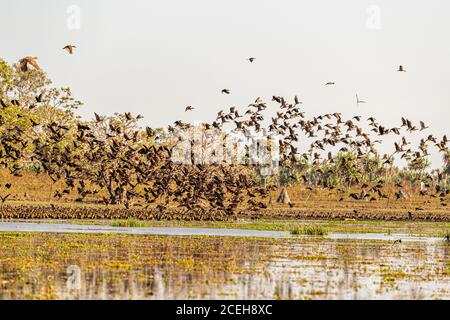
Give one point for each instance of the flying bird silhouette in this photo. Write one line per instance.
(24, 62)
(423, 126)
(69, 48)
(358, 101)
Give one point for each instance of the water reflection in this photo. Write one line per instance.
(53, 266)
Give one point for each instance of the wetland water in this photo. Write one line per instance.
(98, 229)
(71, 265)
(170, 231)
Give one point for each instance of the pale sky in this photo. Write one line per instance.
(157, 57)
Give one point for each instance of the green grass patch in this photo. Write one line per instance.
(309, 230)
(129, 223)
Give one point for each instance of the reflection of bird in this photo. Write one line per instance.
(28, 60)
(189, 108)
(69, 48)
(401, 69)
(358, 101)
(226, 91)
(251, 59)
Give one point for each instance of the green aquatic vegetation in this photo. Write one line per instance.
(118, 265)
(128, 266)
(392, 276)
(309, 230)
(129, 223)
(312, 257)
(276, 295)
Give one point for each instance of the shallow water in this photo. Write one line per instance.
(169, 231)
(382, 237)
(98, 229)
(92, 266)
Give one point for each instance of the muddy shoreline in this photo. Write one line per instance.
(31, 211)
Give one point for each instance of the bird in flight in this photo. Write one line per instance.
(401, 69)
(358, 101)
(69, 48)
(28, 60)
(329, 83)
(226, 91)
(251, 59)
(423, 126)
(189, 108)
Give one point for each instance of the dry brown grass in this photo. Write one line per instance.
(301, 198)
(32, 195)
(30, 187)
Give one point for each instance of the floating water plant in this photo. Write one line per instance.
(129, 223)
(309, 230)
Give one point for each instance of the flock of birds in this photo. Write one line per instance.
(114, 159)
(331, 131)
